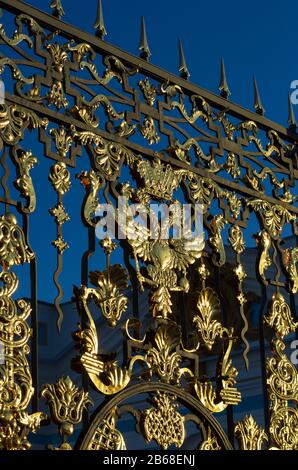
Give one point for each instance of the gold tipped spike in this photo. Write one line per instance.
(223, 85)
(184, 73)
(99, 23)
(144, 46)
(291, 116)
(257, 100)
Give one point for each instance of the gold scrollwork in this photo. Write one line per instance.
(274, 215)
(24, 182)
(290, 259)
(14, 120)
(217, 400)
(16, 388)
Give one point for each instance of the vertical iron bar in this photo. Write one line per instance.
(263, 360)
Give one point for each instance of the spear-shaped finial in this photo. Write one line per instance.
(257, 100)
(184, 73)
(57, 8)
(291, 117)
(99, 23)
(144, 46)
(223, 84)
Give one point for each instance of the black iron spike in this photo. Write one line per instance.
(99, 23)
(291, 116)
(184, 72)
(257, 100)
(57, 8)
(144, 46)
(223, 84)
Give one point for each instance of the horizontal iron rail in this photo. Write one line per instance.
(56, 117)
(69, 31)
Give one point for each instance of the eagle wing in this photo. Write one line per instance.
(186, 251)
(138, 236)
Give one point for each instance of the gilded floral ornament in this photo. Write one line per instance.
(231, 166)
(162, 357)
(148, 131)
(58, 54)
(60, 178)
(216, 241)
(60, 244)
(108, 294)
(66, 403)
(200, 109)
(59, 213)
(236, 239)
(56, 95)
(149, 91)
(280, 318)
(63, 140)
(249, 435)
(208, 327)
(282, 380)
(163, 423)
(13, 246)
(108, 155)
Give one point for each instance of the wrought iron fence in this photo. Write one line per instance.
(188, 309)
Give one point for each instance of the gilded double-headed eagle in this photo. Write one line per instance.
(167, 261)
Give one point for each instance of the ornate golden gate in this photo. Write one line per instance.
(137, 131)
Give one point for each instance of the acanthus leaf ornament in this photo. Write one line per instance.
(249, 435)
(162, 357)
(273, 215)
(66, 403)
(280, 317)
(207, 325)
(109, 287)
(148, 131)
(14, 120)
(148, 90)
